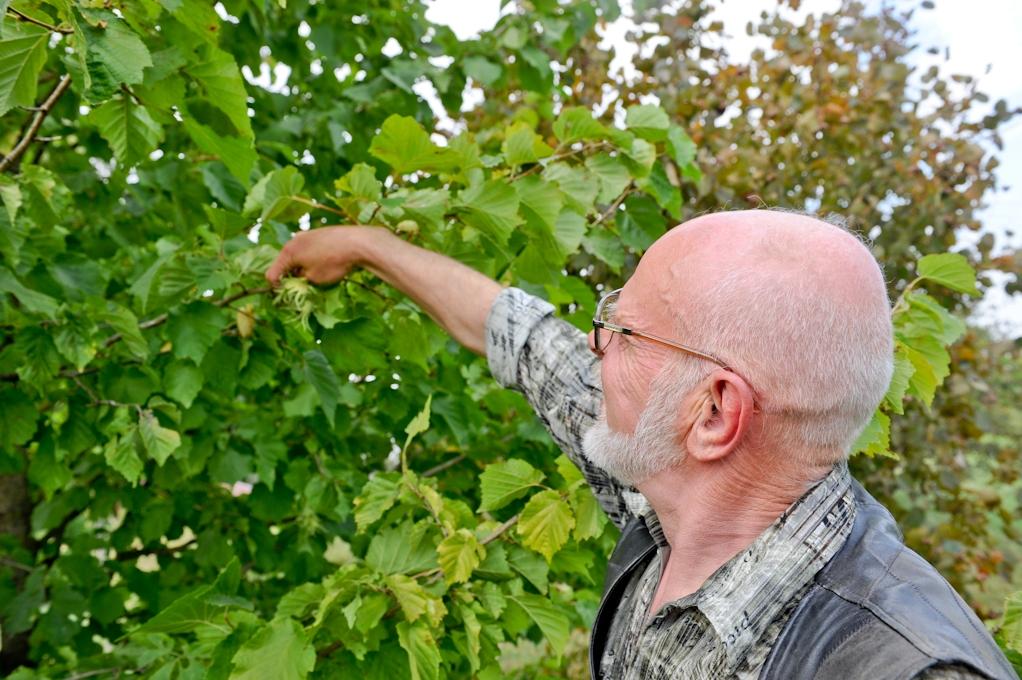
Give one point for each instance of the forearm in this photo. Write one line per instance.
(456, 296)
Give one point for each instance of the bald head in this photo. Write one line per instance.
(795, 305)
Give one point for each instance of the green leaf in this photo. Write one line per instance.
(17, 419)
(522, 145)
(114, 54)
(220, 79)
(159, 441)
(576, 123)
(491, 207)
(545, 523)
(198, 16)
(944, 326)
(589, 518)
(361, 182)
(427, 207)
(501, 483)
(611, 174)
(554, 624)
(378, 496)
(300, 600)
(277, 196)
(10, 194)
(401, 550)
(680, 147)
(667, 196)
(482, 70)
(931, 362)
(237, 153)
(1011, 622)
(194, 329)
(320, 374)
(951, 270)
(280, 650)
(33, 302)
(420, 423)
(875, 440)
(130, 130)
(405, 146)
(459, 554)
(900, 378)
(576, 183)
(648, 121)
(182, 381)
(423, 654)
(22, 55)
(124, 321)
(121, 454)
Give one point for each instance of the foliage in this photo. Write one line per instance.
(212, 482)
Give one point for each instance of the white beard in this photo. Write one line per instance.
(634, 458)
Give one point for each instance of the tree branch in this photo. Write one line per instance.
(162, 318)
(499, 531)
(437, 469)
(37, 122)
(24, 17)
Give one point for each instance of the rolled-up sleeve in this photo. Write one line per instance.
(548, 360)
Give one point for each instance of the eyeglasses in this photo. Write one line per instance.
(604, 330)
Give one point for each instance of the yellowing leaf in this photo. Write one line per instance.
(423, 654)
(875, 440)
(501, 483)
(159, 441)
(459, 554)
(545, 523)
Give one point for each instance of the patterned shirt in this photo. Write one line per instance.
(725, 629)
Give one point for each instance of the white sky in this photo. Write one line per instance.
(982, 38)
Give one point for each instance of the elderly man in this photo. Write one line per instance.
(722, 389)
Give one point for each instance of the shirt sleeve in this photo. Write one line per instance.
(548, 360)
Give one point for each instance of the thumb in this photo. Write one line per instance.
(280, 266)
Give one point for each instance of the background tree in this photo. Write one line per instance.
(200, 480)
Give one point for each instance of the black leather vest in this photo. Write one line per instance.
(876, 611)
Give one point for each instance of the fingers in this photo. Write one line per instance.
(280, 266)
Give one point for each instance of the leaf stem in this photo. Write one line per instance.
(319, 206)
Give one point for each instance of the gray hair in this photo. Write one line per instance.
(819, 369)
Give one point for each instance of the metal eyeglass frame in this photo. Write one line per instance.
(599, 323)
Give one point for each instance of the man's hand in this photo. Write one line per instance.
(325, 255)
(455, 296)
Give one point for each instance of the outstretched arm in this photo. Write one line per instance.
(455, 296)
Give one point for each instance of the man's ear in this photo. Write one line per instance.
(723, 417)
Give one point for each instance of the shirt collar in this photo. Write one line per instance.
(751, 589)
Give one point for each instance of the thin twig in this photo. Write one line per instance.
(616, 204)
(499, 531)
(437, 469)
(320, 206)
(24, 17)
(162, 318)
(37, 122)
(92, 674)
(16, 565)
